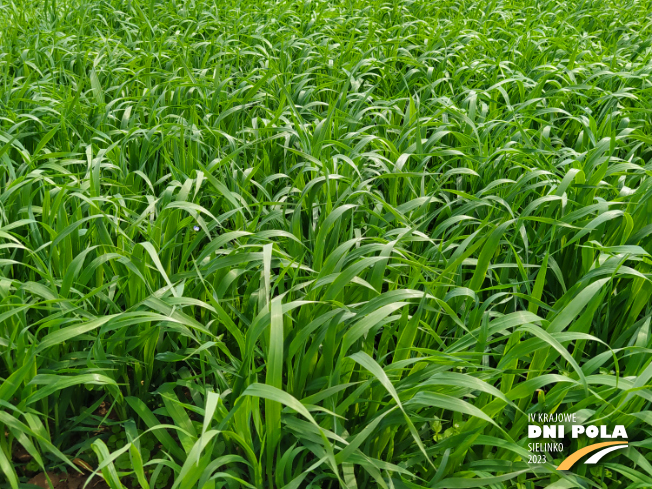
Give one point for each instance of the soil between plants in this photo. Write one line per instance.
(67, 481)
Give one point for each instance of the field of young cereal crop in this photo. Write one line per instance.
(323, 243)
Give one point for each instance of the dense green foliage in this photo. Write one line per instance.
(323, 243)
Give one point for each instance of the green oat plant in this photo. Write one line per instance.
(322, 244)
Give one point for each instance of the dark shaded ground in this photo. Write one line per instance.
(59, 481)
(62, 480)
(67, 481)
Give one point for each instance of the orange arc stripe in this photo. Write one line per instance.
(575, 456)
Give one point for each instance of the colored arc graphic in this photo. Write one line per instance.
(574, 457)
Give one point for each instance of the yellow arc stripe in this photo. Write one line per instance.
(575, 456)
